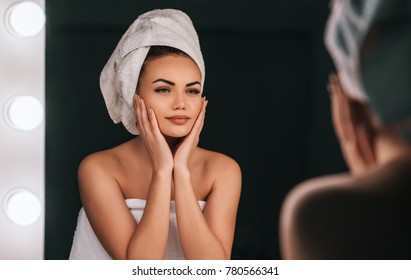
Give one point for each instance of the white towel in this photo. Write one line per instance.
(86, 245)
(374, 69)
(345, 31)
(118, 79)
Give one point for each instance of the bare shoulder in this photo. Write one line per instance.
(99, 162)
(109, 161)
(100, 171)
(322, 184)
(327, 206)
(374, 184)
(221, 164)
(344, 193)
(224, 172)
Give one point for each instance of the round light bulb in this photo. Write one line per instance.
(25, 19)
(22, 207)
(24, 112)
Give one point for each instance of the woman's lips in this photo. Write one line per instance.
(179, 120)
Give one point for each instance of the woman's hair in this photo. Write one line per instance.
(156, 52)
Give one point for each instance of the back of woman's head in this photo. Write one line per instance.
(370, 43)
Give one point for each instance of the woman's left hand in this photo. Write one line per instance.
(185, 148)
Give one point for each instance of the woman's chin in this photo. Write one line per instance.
(174, 133)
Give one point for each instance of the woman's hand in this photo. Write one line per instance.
(184, 150)
(353, 126)
(155, 142)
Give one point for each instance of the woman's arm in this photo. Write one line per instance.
(104, 202)
(208, 235)
(111, 219)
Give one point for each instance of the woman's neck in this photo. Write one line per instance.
(172, 142)
(390, 145)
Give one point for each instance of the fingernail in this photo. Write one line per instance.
(331, 78)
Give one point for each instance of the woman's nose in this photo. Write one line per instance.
(179, 102)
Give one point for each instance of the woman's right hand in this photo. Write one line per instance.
(353, 126)
(156, 144)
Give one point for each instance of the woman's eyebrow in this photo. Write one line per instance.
(164, 81)
(173, 84)
(193, 83)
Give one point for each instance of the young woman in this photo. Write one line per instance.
(159, 195)
(363, 214)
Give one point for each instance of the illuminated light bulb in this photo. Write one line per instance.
(24, 112)
(25, 19)
(22, 207)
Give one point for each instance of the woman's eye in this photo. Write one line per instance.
(161, 90)
(193, 91)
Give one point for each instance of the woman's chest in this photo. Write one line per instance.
(136, 180)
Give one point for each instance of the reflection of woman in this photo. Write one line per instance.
(365, 214)
(158, 195)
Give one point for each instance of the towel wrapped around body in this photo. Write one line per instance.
(86, 245)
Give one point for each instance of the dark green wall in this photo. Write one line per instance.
(266, 73)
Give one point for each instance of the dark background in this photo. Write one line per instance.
(266, 74)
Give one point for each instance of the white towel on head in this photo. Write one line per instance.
(345, 31)
(118, 79)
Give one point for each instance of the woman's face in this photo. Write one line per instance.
(171, 86)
